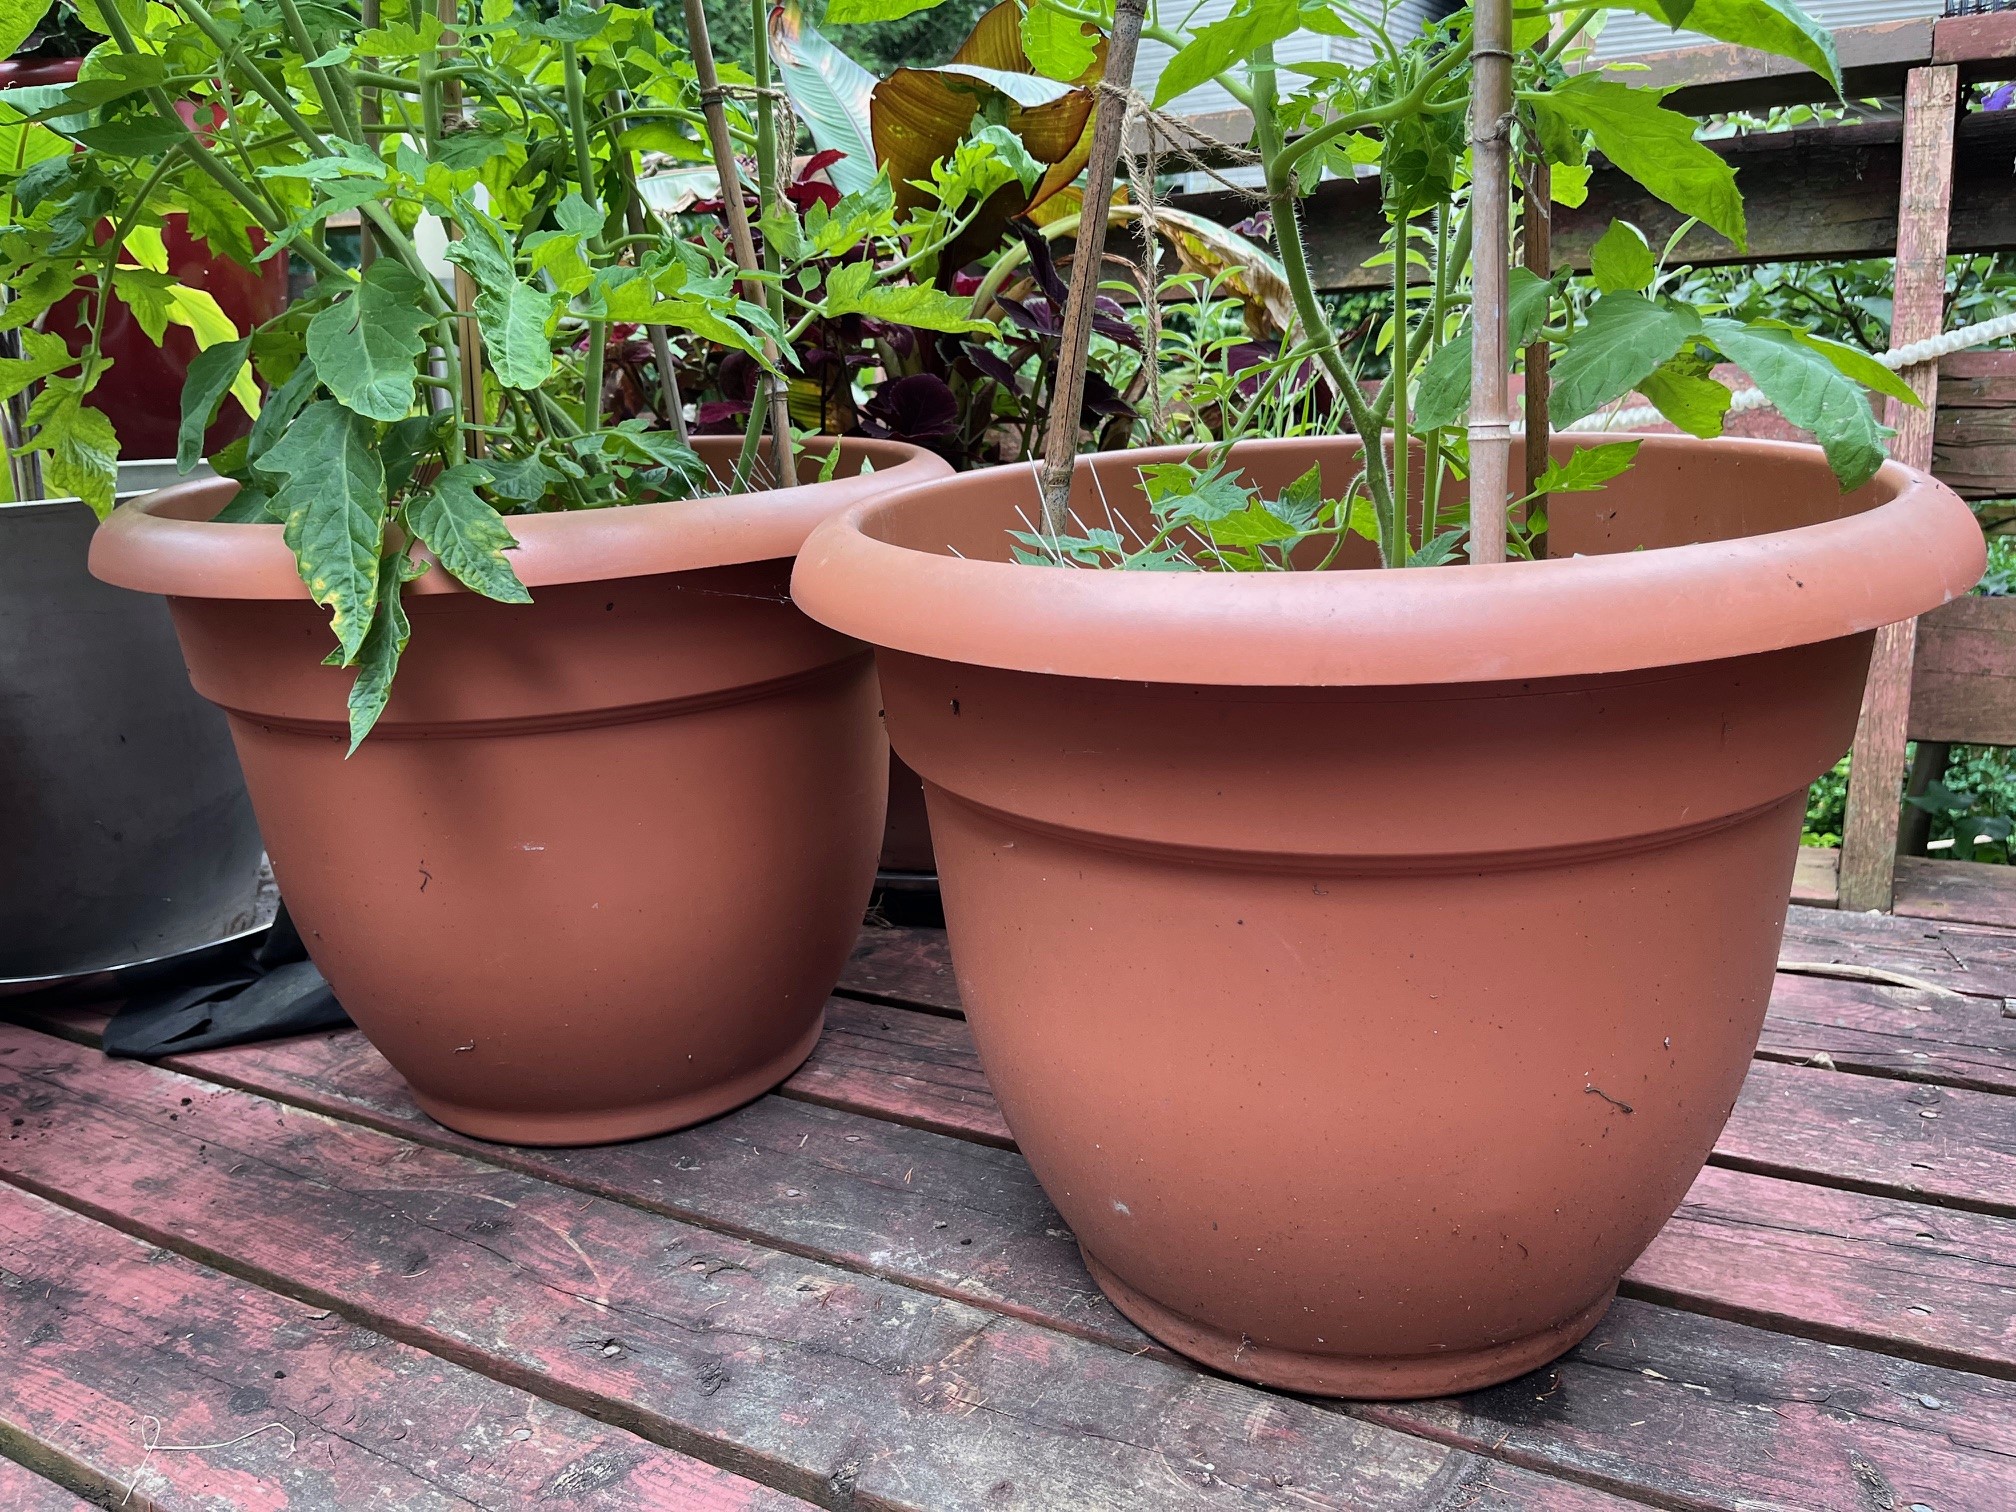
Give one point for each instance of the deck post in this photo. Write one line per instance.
(1876, 775)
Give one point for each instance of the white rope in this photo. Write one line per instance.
(1753, 398)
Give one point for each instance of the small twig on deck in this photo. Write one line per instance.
(150, 1428)
(1850, 973)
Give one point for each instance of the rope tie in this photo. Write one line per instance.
(1165, 137)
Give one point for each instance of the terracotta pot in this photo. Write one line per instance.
(549, 886)
(1366, 961)
(906, 839)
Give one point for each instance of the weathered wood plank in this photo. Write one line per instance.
(1963, 683)
(1933, 1144)
(840, 1386)
(21, 1490)
(915, 1068)
(253, 1401)
(1737, 1417)
(1974, 435)
(1923, 1282)
(1717, 76)
(1962, 892)
(1876, 771)
(907, 966)
(1979, 960)
(1824, 193)
(1816, 877)
(1891, 1031)
(1022, 1261)
(962, 1219)
(1988, 40)
(1925, 887)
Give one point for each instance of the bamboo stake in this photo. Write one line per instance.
(770, 201)
(1538, 229)
(669, 398)
(1060, 444)
(1491, 215)
(739, 234)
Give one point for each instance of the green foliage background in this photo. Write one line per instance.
(928, 37)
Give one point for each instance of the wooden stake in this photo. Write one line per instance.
(744, 242)
(1060, 444)
(1491, 256)
(1918, 311)
(1538, 229)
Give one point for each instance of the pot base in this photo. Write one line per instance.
(1387, 1378)
(616, 1125)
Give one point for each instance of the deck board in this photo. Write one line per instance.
(1879, 1030)
(1923, 1282)
(22, 1490)
(794, 1169)
(821, 1381)
(1695, 1412)
(259, 1403)
(1972, 958)
(1810, 1332)
(1929, 1143)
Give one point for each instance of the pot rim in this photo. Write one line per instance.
(1905, 555)
(167, 543)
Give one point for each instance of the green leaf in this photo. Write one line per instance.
(17, 19)
(830, 93)
(1251, 25)
(251, 505)
(333, 503)
(467, 534)
(1773, 26)
(1058, 45)
(140, 137)
(1654, 145)
(211, 373)
(853, 289)
(1855, 363)
(1587, 468)
(1810, 391)
(1442, 391)
(1568, 184)
(1255, 525)
(367, 347)
(521, 480)
(1188, 494)
(1625, 337)
(1685, 391)
(855, 12)
(42, 354)
(378, 657)
(577, 217)
(280, 410)
(513, 320)
(989, 159)
(1030, 91)
(1621, 259)
(82, 448)
(1440, 551)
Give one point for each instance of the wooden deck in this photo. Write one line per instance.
(260, 1278)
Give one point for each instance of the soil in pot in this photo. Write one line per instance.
(1367, 960)
(596, 870)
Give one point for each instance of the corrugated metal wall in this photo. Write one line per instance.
(1627, 34)
(1404, 18)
